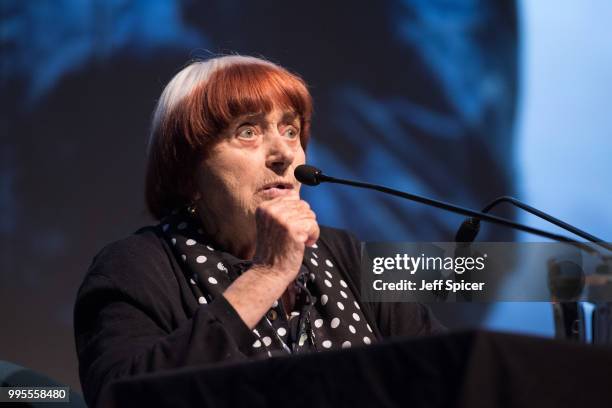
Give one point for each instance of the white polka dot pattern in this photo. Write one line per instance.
(335, 303)
(334, 291)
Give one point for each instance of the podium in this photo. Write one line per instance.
(464, 369)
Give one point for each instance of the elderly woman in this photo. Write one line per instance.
(237, 267)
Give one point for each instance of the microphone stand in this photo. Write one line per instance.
(569, 317)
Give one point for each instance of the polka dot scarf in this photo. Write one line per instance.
(326, 316)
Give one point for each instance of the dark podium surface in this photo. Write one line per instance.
(464, 369)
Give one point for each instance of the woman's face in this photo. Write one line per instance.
(253, 162)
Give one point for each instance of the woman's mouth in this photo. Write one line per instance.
(273, 190)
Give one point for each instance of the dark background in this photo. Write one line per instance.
(433, 97)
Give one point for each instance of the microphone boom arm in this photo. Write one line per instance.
(459, 210)
(549, 218)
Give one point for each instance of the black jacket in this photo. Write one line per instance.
(135, 312)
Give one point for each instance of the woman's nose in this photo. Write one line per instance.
(280, 153)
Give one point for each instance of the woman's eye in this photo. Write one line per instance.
(292, 133)
(247, 132)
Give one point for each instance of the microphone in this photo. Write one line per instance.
(313, 176)
(309, 175)
(468, 230)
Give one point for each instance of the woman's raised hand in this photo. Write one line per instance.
(285, 226)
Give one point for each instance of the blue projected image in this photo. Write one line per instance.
(460, 101)
(563, 131)
(47, 40)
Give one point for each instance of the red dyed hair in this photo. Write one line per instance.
(189, 121)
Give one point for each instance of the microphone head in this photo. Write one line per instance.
(468, 230)
(308, 175)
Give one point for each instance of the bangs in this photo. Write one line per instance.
(246, 89)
